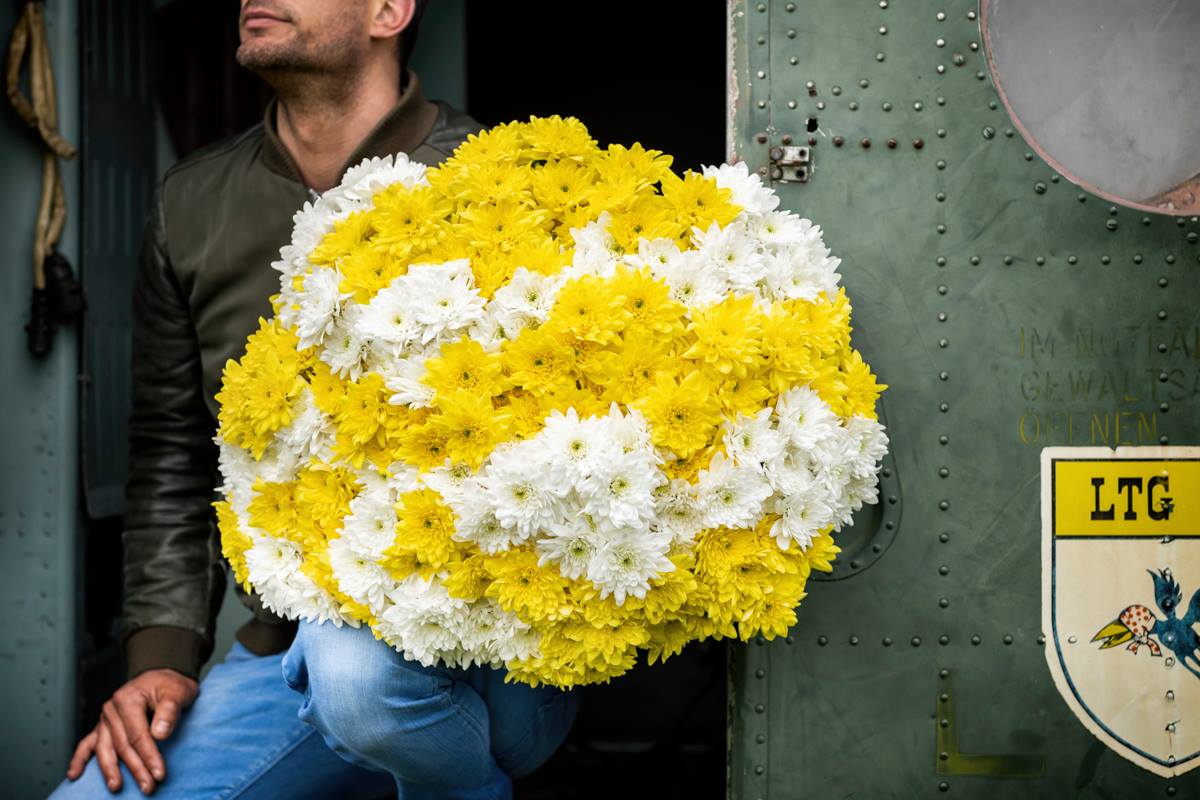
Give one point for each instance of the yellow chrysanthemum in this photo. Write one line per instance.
(464, 366)
(727, 335)
(557, 138)
(519, 585)
(698, 201)
(425, 527)
(257, 391)
(471, 425)
(234, 542)
(683, 415)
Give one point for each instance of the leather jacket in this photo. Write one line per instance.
(204, 277)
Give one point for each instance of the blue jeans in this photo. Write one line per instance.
(242, 739)
(442, 733)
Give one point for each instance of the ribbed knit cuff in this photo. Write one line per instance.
(164, 646)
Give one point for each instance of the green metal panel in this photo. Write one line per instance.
(1008, 310)
(39, 478)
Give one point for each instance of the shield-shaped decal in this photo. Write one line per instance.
(1121, 596)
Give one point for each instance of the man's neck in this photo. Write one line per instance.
(322, 121)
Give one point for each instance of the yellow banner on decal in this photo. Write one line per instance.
(1126, 497)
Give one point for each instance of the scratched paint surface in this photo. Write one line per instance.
(1008, 310)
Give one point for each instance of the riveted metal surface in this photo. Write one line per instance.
(1008, 310)
(39, 469)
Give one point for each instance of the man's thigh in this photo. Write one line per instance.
(242, 739)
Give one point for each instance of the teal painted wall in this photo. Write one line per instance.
(39, 497)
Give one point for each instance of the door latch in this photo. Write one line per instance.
(790, 163)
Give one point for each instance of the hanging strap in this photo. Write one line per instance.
(42, 115)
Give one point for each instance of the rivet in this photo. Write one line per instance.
(760, 738)
(1137, 258)
(916, 641)
(1193, 237)
(794, 60)
(1028, 156)
(976, 639)
(941, 101)
(879, 56)
(855, 564)
(1162, 347)
(791, 34)
(761, 138)
(1162, 314)
(944, 505)
(1170, 258)
(854, 641)
(891, 143)
(944, 602)
(941, 228)
(940, 260)
(760, 673)
(1111, 224)
(1008, 639)
(790, 7)
(941, 68)
(940, 164)
(944, 756)
(865, 142)
(762, 40)
(853, 106)
(940, 42)
(759, 769)
(1162, 281)
(887, 641)
(959, 59)
(1040, 260)
(1105, 259)
(941, 15)
(988, 132)
(917, 106)
(1164, 439)
(974, 45)
(1008, 260)
(943, 570)
(864, 83)
(759, 708)
(760, 74)
(883, 30)
(1164, 407)
(1081, 197)
(992, 105)
(941, 132)
(975, 260)
(822, 640)
(943, 673)
(943, 343)
(1072, 259)
(943, 439)
(1163, 377)
(811, 86)
(970, 15)
(761, 7)
(1039, 187)
(944, 472)
(762, 171)
(941, 316)
(918, 143)
(945, 723)
(1170, 791)
(1041, 639)
(883, 3)
(943, 786)
(835, 90)
(979, 75)
(1008, 132)
(940, 197)
(1170, 694)
(942, 290)
(838, 141)
(943, 640)
(1054, 178)
(761, 104)
(886, 106)
(786, 138)
(791, 103)
(1072, 639)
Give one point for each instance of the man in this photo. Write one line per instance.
(343, 92)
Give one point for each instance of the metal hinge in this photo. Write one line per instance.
(790, 163)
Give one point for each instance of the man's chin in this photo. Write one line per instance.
(264, 56)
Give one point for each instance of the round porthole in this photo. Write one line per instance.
(1106, 91)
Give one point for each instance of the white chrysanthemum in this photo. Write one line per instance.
(444, 300)
(406, 382)
(871, 445)
(359, 576)
(595, 251)
(362, 181)
(483, 626)
(525, 300)
(626, 564)
(629, 431)
(693, 282)
(321, 303)
(779, 229)
(570, 547)
(238, 470)
(571, 448)
(425, 618)
(520, 496)
(475, 521)
(858, 491)
(747, 187)
(753, 441)
(311, 432)
(654, 254)
(345, 350)
(804, 417)
(370, 527)
(731, 495)
(679, 511)
(389, 321)
(620, 488)
(451, 481)
(732, 252)
(802, 513)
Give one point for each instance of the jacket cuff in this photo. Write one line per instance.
(164, 646)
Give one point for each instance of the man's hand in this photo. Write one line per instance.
(126, 732)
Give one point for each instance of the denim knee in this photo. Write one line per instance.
(376, 709)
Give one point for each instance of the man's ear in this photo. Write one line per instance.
(390, 17)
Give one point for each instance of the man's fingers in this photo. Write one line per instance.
(83, 751)
(120, 740)
(106, 757)
(132, 709)
(166, 713)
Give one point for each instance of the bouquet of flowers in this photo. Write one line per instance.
(545, 406)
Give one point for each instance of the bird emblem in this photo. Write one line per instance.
(1137, 626)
